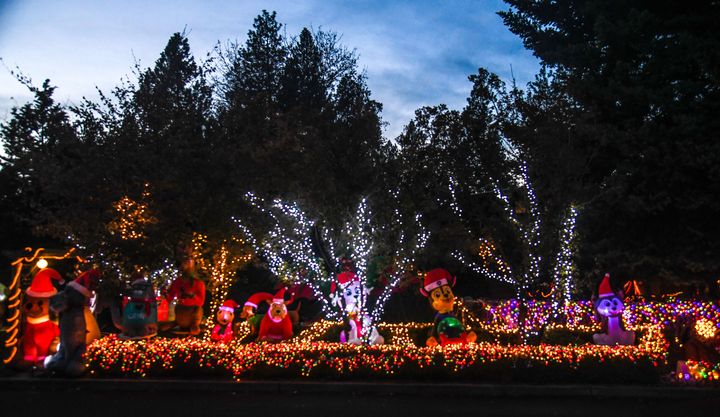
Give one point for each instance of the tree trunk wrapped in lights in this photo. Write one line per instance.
(298, 250)
(219, 262)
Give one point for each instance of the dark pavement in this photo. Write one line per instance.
(99, 398)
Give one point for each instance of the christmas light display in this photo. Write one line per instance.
(291, 254)
(308, 354)
(493, 265)
(289, 250)
(697, 371)
(580, 315)
(110, 356)
(705, 328)
(163, 276)
(14, 294)
(564, 269)
(132, 217)
(220, 267)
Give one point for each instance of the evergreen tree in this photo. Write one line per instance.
(645, 77)
(39, 141)
(255, 68)
(356, 147)
(298, 119)
(172, 109)
(302, 82)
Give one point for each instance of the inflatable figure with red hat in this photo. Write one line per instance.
(610, 306)
(275, 325)
(447, 329)
(250, 308)
(190, 293)
(349, 295)
(40, 335)
(70, 304)
(223, 330)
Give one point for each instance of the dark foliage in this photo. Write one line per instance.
(621, 121)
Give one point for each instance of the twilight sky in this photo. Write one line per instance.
(415, 53)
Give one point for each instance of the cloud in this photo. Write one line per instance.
(415, 53)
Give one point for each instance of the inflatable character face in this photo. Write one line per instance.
(277, 310)
(610, 306)
(352, 295)
(224, 316)
(142, 289)
(247, 311)
(35, 307)
(141, 308)
(64, 300)
(442, 299)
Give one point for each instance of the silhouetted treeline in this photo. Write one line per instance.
(621, 122)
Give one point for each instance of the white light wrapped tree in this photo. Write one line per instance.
(294, 245)
(492, 265)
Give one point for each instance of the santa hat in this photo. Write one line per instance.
(85, 283)
(605, 290)
(258, 298)
(343, 280)
(229, 306)
(436, 279)
(279, 297)
(41, 286)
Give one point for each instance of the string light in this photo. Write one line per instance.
(132, 217)
(493, 265)
(309, 353)
(220, 267)
(111, 356)
(705, 328)
(14, 297)
(291, 254)
(163, 276)
(699, 371)
(564, 269)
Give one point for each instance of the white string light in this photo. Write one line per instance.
(564, 269)
(494, 267)
(291, 255)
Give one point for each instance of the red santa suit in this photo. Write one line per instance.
(181, 289)
(39, 332)
(38, 338)
(273, 329)
(276, 329)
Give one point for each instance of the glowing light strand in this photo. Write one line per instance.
(404, 258)
(290, 252)
(505, 274)
(564, 269)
